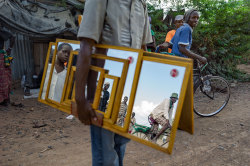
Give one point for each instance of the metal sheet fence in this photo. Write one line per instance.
(23, 57)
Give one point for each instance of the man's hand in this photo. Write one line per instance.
(84, 110)
(164, 45)
(87, 116)
(203, 60)
(190, 54)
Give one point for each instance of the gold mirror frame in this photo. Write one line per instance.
(184, 111)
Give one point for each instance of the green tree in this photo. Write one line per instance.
(222, 34)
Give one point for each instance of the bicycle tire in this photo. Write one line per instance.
(211, 96)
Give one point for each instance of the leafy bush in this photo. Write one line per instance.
(222, 34)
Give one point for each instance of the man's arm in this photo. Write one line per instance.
(190, 54)
(164, 45)
(144, 47)
(85, 112)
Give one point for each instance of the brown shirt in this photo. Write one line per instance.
(116, 22)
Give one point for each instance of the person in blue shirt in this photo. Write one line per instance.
(182, 39)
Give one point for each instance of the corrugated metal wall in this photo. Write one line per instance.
(23, 57)
(40, 50)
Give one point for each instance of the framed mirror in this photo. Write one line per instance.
(108, 83)
(143, 96)
(158, 102)
(56, 72)
(122, 106)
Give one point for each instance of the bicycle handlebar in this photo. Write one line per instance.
(203, 67)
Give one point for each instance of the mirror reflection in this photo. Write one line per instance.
(59, 71)
(156, 102)
(51, 52)
(105, 95)
(108, 94)
(122, 111)
(115, 67)
(71, 84)
(132, 57)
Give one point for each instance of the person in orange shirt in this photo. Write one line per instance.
(178, 22)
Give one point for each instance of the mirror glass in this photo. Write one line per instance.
(156, 101)
(105, 94)
(132, 57)
(59, 71)
(45, 84)
(113, 69)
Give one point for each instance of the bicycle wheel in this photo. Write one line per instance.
(211, 96)
(141, 135)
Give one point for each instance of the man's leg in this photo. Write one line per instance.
(120, 147)
(102, 144)
(164, 123)
(96, 145)
(161, 131)
(109, 154)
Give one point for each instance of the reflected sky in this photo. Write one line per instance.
(155, 84)
(130, 76)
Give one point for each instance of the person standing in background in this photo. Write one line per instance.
(104, 97)
(122, 111)
(5, 66)
(182, 39)
(178, 22)
(151, 46)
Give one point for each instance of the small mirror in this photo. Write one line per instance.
(132, 57)
(116, 70)
(47, 65)
(107, 97)
(156, 101)
(112, 81)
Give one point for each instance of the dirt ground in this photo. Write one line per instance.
(220, 140)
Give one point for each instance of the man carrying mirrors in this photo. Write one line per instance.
(119, 23)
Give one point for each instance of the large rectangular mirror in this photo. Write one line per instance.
(156, 101)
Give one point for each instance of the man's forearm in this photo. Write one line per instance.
(82, 67)
(189, 53)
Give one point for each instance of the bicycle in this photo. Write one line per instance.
(147, 133)
(211, 91)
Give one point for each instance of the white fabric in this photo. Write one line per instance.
(116, 22)
(57, 84)
(161, 109)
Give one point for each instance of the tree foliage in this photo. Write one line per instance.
(222, 34)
